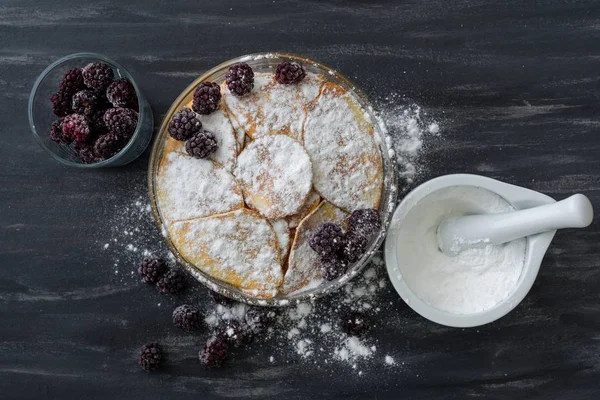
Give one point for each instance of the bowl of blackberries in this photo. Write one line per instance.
(87, 111)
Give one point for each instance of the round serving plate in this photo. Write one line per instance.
(267, 62)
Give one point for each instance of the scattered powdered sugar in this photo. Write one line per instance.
(276, 175)
(389, 360)
(409, 127)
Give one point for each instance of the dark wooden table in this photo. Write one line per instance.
(516, 88)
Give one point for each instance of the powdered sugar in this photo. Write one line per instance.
(276, 175)
(190, 188)
(282, 231)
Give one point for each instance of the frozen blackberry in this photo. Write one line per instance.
(77, 127)
(187, 318)
(259, 319)
(72, 82)
(327, 240)
(61, 104)
(355, 246)
(333, 267)
(356, 323)
(85, 153)
(151, 356)
(365, 222)
(152, 268)
(184, 124)
(289, 72)
(121, 93)
(121, 121)
(84, 102)
(206, 98)
(57, 135)
(108, 145)
(172, 282)
(97, 75)
(220, 299)
(237, 333)
(201, 145)
(240, 79)
(215, 351)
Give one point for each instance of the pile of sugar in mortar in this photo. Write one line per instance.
(308, 332)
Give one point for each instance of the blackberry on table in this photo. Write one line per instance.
(121, 121)
(237, 333)
(77, 127)
(333, 267)
(187, 318)
(215, 351)
(355, 246)
(61, 104)
(240, 79)
(173, 282)
(356, 323)
(201, 145)
(84, 102)
(57, 135)
(108, 145)
(97, 75)
(151, 356)
(184, 124)
(152, 268)
(206, 98)
(72, 81)
(327, 240)
(121, 93)
(365, 222)
(289, 72)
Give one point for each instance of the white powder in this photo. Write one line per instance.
(389, 360)
(475, 280)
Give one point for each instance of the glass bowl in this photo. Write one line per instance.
(41, 115)
(267, 62)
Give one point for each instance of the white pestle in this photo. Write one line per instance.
(460, 233)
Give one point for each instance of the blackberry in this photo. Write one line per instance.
(215, 351)
(108, 145)
(84, 102)
(72, 82)
(61, 104)
(206, 98)
(258, 319)
(187, 318)
(237, 333)
(355, 246)
(172, 282)
(356, 323)
(333, 267)
(151, 356)
(152, 268)
(365, 222)
(121, 121)
(289, 72)
(240, 79)
(121, 93)
(201, 145)
(220, 299)
(85, 153)
(57, 135)
(184, 124)
(327, 240)
(97, 75)
(77, 127)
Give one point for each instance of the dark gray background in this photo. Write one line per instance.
(516, 87)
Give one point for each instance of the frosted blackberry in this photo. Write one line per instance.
(206, 98)
(121, 93)
(57, 135)
(172, 282)
(151, 356)
(289, 72)
(85, 102)
(108, 145)
(76, 126)
(72, 82)
(85, 153)
(61, 104)
(201, 145)
(121, 121)
(97, 75)
(333, 267)
(327, 240)
(184, 124)
(355, 246)
(240, 79)
(187, 318)
(215, 351)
